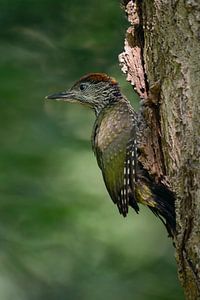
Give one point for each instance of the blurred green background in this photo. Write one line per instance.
(61, 236)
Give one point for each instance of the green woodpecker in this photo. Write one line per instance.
(114, 142)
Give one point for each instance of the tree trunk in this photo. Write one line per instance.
(162, 60)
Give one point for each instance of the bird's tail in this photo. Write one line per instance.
(159, 198)
(165, 207)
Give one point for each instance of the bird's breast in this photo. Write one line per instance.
(114, 127)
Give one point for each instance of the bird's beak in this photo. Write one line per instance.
(62, 96)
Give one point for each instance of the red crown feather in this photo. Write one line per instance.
(97, 77)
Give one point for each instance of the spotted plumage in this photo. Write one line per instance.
(114, 142)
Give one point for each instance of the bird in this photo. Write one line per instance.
(114, 141)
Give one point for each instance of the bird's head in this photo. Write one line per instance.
(96, 90)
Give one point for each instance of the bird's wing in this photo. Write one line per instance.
(118, 169)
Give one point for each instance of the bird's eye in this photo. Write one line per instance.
(83, 86)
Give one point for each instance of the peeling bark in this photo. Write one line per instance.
(162, 60)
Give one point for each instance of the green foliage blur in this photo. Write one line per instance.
(61, 236)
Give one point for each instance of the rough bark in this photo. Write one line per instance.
(162, 60)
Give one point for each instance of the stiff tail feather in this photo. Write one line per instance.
(165, 207)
